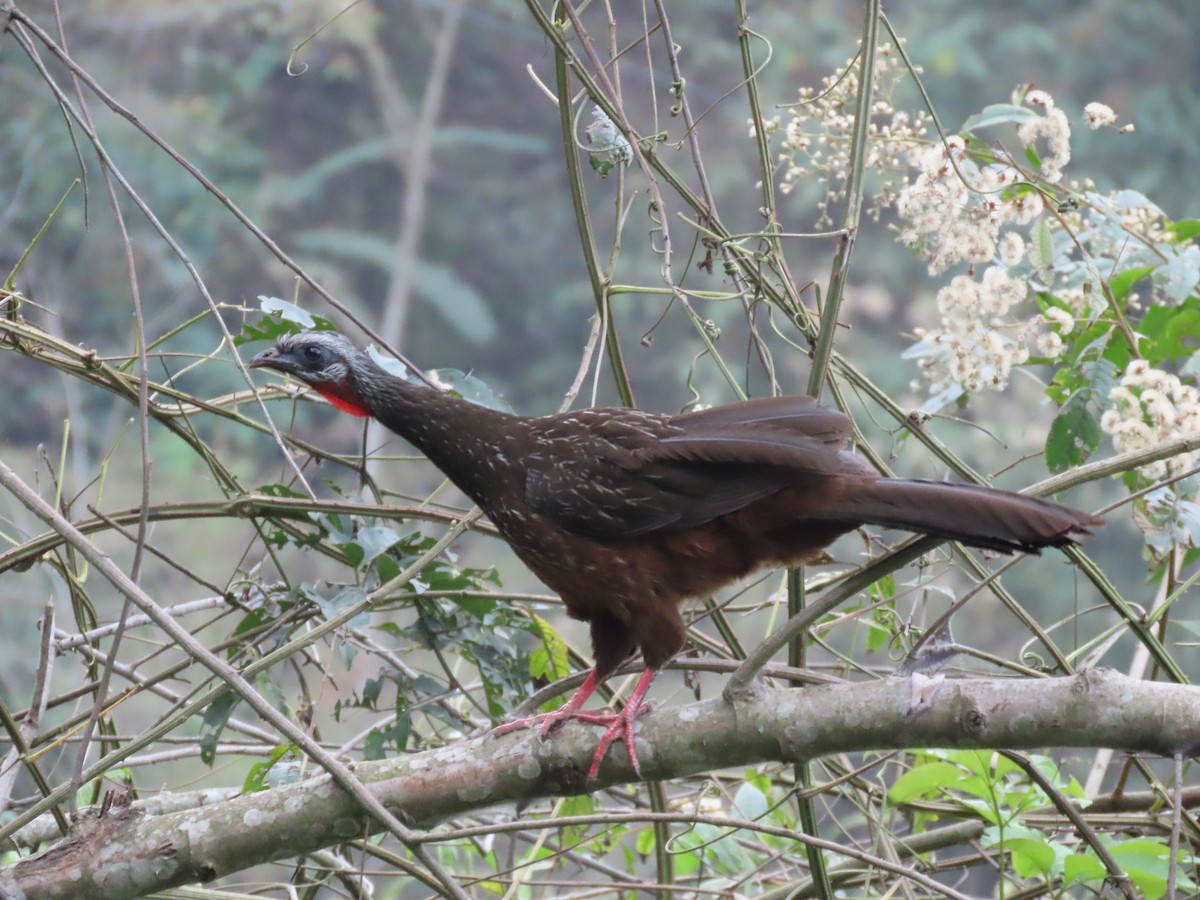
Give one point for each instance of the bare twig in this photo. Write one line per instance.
(197, 651)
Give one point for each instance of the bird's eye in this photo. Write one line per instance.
(313, 354)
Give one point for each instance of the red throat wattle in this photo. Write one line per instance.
(342, 398)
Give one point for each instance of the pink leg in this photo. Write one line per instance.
(619, 727)
(549, 721)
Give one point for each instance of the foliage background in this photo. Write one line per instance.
(322, 160)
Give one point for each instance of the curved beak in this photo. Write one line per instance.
(272, 359)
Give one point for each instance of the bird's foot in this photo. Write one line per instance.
(617, 727)
(620, 728)
(547, 722)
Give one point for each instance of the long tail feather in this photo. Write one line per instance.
(978, 516)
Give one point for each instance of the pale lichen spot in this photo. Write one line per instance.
(473, 793)
(256, 816)
(196, 829)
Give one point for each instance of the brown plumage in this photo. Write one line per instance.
(626, 514)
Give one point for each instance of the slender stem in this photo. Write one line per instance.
(236, 681)
(1063, 804)
(583, 222)
(1176, 827)
(803, 771)
(860, 580)
(854, 200)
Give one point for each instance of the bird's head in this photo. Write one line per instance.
(325, 361)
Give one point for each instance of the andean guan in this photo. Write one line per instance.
(625, 514)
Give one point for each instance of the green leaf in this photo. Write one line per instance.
(257, 775)
(91, 792)
(645, 842)
(1121, 283)
(1184, 229)
(1080, 867)
(998, 114)
(1041, 245)
(339, 531)
(985, 809)
(375, 540)
(1179, 276)
(347, 597)
(1148, 871)
(281, 490)
(722, 849)
(884, 588)
(925, 780)
(1074, 435)
(215, 718)
(387, 567)
(1170, 333)
(982, 787)
(1031, 858)
(371, 691)
(749, 802)
(549, 661)
(271, 691)
(290, 312)
(354, 553)
(1101, 378)
(269, 328)
(1151, 847)
(389, 364)
(376, 742)
(469, 388)
(281, 318)
(374, 745)
(879, 630)
(579, 805)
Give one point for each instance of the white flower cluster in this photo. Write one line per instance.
(1150, 406)
(1137, 217)
(1101, 115)
(817, 134)
(954, 210)
(1098, 115)
(958, 210)
(1055, 128)
(976, 346)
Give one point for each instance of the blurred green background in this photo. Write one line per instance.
(321, 159)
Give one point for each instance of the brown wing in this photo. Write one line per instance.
(635, 474)
(799, 413)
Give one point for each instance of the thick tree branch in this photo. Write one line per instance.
(1101, 708)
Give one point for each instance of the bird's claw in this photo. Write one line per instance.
(620, 728)
(617, 727)
(545, 722)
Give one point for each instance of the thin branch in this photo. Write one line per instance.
(823, 350)
(244, 689)
(1099, 708)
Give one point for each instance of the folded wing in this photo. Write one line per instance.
(649, 474)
